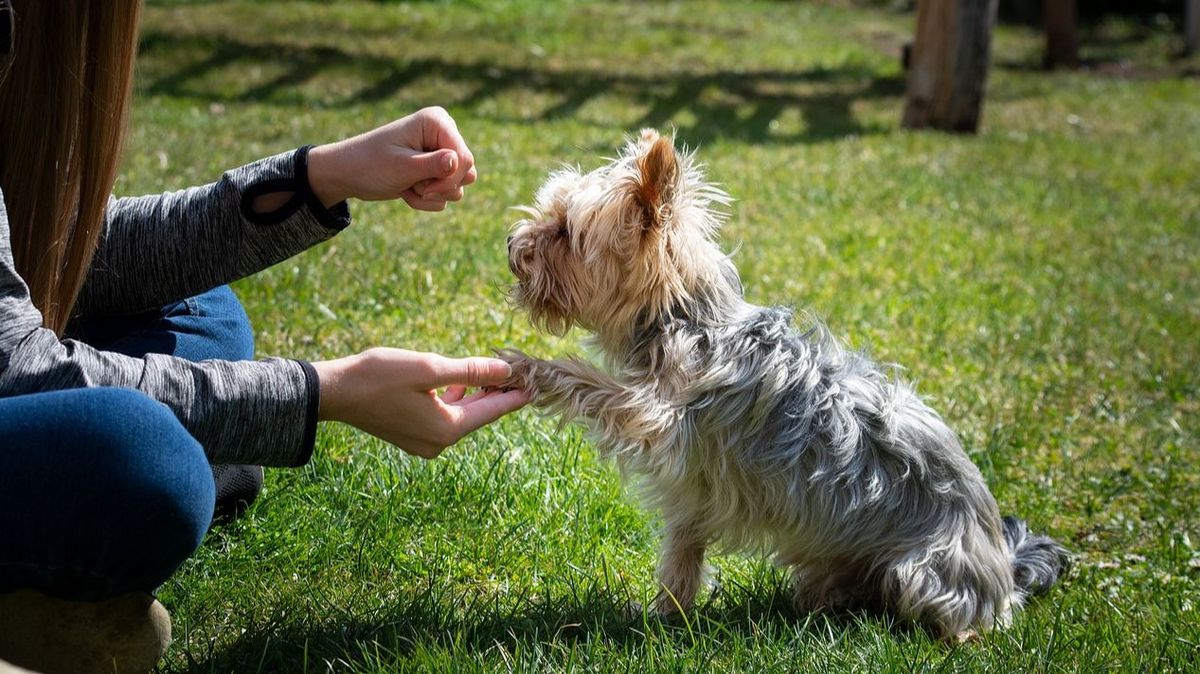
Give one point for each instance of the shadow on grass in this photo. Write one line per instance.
(397, 633)
(711, 104)
(1117, 51)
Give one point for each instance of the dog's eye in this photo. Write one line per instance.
(562, 230)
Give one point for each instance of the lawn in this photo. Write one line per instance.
(1039, 281)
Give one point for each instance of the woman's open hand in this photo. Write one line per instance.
(393, 395)
(421, 158)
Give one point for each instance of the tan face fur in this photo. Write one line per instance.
(619, 245)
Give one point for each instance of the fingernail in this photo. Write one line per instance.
(448, 162)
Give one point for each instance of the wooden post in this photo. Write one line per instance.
(950, 58)
(1191, 27)
(1062, 48)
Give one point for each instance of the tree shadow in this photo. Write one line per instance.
(1109, 50)
(706, 105)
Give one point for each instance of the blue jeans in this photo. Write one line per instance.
(102, 491)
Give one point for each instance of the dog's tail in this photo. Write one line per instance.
(1038, 561)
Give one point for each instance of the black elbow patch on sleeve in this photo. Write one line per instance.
(335, 218)
(274, 217)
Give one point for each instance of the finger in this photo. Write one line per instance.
(443, 185)
(474, 371)
(421, 187)
(471, 177)
(490, 408)
(427, 206)
(453, 195)
(447, 136)
(422, 450)
(433, 188)
(474, 396)
(423, 204)
(431, 167)
(454, 394)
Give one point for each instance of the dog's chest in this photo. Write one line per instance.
(713, 486)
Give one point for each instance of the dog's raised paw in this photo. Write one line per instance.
(522, 369)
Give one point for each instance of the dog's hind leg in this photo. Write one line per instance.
(962, 589)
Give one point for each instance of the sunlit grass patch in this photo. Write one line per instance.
(1039, 282)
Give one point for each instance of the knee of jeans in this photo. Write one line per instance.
(156, 473)
(234, 332)
(216, 328)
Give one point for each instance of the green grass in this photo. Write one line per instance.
(1039, 281)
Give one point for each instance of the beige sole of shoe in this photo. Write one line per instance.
(127, 634)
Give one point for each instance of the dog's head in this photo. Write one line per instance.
(620, 245)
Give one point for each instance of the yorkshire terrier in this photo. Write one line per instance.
(747, 433)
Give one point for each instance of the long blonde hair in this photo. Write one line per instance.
(64, 96)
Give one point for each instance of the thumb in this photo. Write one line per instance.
(475, 371)
(432, 165)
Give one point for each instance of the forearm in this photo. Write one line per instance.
(260, 412)
(163, 248)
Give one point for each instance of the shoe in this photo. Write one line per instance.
(127, 634)
(237, 487)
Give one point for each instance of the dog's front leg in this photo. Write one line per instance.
(624, 415)
(681, 570)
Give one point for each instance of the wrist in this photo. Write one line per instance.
(333, 378)
(325, 172)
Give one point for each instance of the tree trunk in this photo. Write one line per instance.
(1191, 27)
(950, 58)
(1062, 47)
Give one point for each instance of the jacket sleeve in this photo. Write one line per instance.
(160, 249)
(260, 412)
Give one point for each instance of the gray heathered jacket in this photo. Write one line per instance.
(159, 249)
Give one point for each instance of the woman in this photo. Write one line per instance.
(125, 368)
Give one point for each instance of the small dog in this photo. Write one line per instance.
(748, 433)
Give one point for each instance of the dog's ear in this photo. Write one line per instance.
(658, 178)
(646, 138)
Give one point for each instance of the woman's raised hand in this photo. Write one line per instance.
(421, 158)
